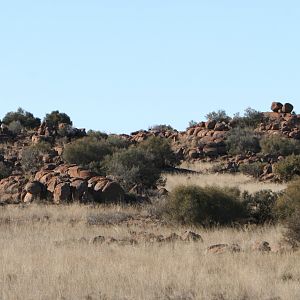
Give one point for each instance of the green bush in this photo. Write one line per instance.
(219, 116)
(205, 205)
(255, 169)
(97, 134)
(161, 127)
(32, 156)
(251, 118)
(161, 151)
(56, 117)
(242, 141)
(5, 171)
(25, 118)
(117, 142)
(192, 123)
(277, 145)
(15, 127)
(289, 201)
(260, 205)
(288, 168)
(133, 166)
(86, 150)
(293, 228)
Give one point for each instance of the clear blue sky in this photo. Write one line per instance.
(123, 65)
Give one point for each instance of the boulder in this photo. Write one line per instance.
(113, 192)
(79, 188)
(62, 192)
(223, 248)
(210, 124)
(28, 198)
(34, 188)
(220, 127)
(262, 246)
(276, 107)
(287, 108)
(190, 236)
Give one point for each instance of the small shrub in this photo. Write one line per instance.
(288, 168)
(25, 118)
(293, 228)
(86, 150)
(192, 123)
(15, 127)
(277, 145)
(161, 127)
(99, 135)
(255, 169)
(289, 201)
(242, 140)
(32, 156)
(160, 150)
(251, 118)
(117, 142)
(219, 116)
(56, 117)
(260, 205)
(205, 205)
(5, 171)
(133, 166)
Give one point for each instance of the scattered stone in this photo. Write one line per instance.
(190, 236)
(98, 240)
(262, 246)
(223, 248)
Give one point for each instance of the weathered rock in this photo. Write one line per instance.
(276, 107)
(28, 198)
(34, 188)
(262, 246)
(190, 236)
(62, 192)
(287, 108)
(79, 189)
(98, 240)
(223, 248)
(210, 124)
(113, 192)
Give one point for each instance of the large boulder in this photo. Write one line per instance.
(34, 188)
(276, 107)
(79, 189)
(11, 189)
(62, 192)
(106, 190)
(287, 108)
(210, 124)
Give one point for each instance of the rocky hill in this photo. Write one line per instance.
(59, 181)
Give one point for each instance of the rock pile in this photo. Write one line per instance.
(64, 183)
(278, 107)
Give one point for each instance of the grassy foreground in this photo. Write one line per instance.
(46, 253)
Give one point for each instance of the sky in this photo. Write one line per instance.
(123, 65)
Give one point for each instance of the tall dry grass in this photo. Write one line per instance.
(243, 182)
(43, 256)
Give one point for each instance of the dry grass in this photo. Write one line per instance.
(245, 183)
(241, 181)
(43, 256)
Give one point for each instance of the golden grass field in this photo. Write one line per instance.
(46, 253)
(241, 181)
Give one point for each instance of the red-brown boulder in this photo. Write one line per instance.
(276, 106)
(287, 108)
